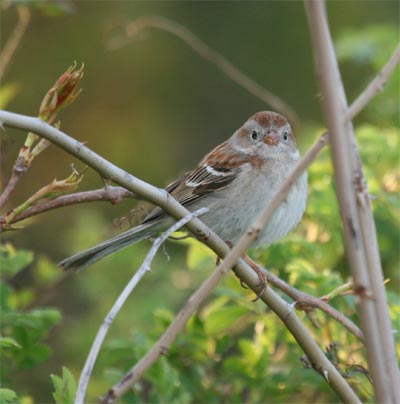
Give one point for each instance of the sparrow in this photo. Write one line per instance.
(235, 181)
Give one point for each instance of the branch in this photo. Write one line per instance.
(159, 197)
(306, 302)
(278, 305)
(108, 193)
(376, 85)
(19, 170)
(155, 195)
(14, 40)
(359, 229)
(62, 94)
(165, 341)
(173, 208)
(101, 334)
(135, 27)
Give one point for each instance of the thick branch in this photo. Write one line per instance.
(163, 199)
(284, 311)
(359, 231)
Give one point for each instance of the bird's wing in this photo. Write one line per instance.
(194, 185)
(217, 170)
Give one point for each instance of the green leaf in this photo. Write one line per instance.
(40, 319)
(7, 396)
(48, 8)
(7, 342)
(64, 387)
(8, 93)
(199, 257)
(220, 320)
(13, 261)
(46, 271)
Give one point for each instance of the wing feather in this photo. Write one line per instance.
(195, 184)
(216, 171)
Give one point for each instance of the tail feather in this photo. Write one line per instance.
(88, 257)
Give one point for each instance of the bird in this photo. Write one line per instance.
(235, 181)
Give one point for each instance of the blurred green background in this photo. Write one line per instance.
(154, 108)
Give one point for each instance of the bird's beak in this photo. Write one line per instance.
(271, 138)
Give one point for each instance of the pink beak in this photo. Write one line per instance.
(271, 138)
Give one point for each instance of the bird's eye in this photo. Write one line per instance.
(254, 134)
(285, 136)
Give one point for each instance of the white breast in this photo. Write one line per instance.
(234, 209)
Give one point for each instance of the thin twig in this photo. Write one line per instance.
(14, 40)
(116, 194)
(19, 169)
(165, 341)
(376, 85)
(107, 170)
(102, 332)
(307, 302)
(359, 230)
(173, 208)
(109, 193)
(284, 311)
(210, 54)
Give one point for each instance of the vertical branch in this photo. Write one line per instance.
(358, 225)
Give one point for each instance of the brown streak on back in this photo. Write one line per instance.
(222, 156)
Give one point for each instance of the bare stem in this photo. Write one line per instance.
(358, 225)
(376, 85)
(133, 28)
(164, 200)
(14, 40)
(101, 334)
(19, 169)
(284, 311)
(109, 193)
(307, 302)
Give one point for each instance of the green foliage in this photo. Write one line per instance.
(7, 396)
(23, 329)
(12, 261)
(48, 8)
(234, 350)
(65, 387)
(370, 48)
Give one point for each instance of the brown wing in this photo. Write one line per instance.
(195, 184)
(217, 170)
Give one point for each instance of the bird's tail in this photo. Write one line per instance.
(88, 257)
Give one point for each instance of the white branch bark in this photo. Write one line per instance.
(105, 326)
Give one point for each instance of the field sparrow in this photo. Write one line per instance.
(234, 181)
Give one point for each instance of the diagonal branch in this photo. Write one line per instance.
(306, 302)
(172, 207)
(280, 307)
(14, 40)
(133, 28)
(159, 197)
(376, 85)
(102, 332)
